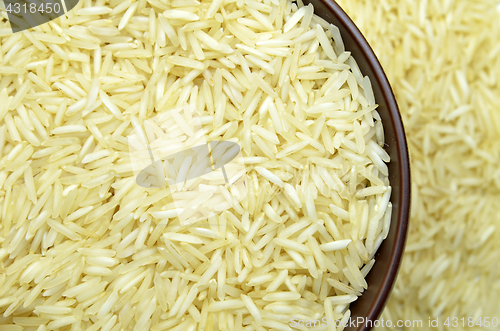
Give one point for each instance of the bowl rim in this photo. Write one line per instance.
(388, 280)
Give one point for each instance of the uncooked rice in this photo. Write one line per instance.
(85, 248)
(442, 60)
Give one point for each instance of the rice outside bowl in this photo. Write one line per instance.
(287, 226)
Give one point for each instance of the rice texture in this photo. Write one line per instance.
(443, 73)
(272, 204)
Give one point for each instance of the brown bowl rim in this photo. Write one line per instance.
(382, 295)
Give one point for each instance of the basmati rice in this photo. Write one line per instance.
(441, 109)
(84, 247)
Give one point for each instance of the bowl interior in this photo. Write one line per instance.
(388, 258)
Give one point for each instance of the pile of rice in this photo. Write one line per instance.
(83, 247)
(442, 58)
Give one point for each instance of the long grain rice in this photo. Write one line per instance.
(85, 247)
(434, 105)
